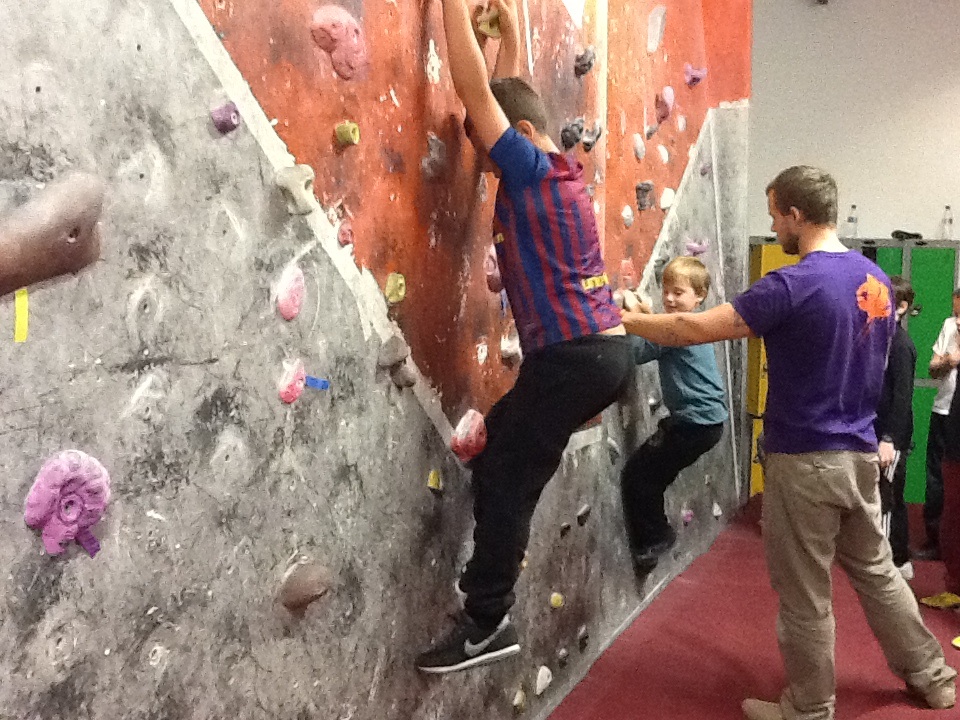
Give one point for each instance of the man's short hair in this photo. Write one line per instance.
(902, 290)
(810, 190)
(519, 102)
(691, 270)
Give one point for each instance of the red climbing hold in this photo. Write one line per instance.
(469, 437)
(337, 33)
(293, 380)
(290, 291)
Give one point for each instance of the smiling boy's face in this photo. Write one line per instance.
(679, 295)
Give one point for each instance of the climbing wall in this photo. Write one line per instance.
(242, 445)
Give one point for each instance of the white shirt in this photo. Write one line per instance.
(946, 343)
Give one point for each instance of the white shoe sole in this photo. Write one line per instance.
(484, 659)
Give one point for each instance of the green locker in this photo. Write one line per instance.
(932, 276)
(890, 260)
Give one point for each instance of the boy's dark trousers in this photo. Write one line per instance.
(894, 510)
(933, 502)
(559, 388)
(650, 471)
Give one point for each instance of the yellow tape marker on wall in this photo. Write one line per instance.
(21, 310)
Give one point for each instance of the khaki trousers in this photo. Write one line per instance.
(817, 507)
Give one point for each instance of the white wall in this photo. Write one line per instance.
(870, 91)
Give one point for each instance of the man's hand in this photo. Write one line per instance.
(509, 17)
(887, 454)
(508, 59)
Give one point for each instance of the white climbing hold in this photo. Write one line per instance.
(154, 515)
(639, 146)
(627, 215)
(544, 678)
(717, 510)
(664, 153)
(520, 701)
(433, 63)
(667, 198)
(681, 123)
(482, 352)
(296, 182)
(656, 24)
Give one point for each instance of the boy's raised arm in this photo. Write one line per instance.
(469, 72)
(508, 56)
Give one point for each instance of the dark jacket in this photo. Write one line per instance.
(895, 411)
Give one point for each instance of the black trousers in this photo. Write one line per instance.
(894, 509)
(651, 470)
(933, 502)
(559, 388)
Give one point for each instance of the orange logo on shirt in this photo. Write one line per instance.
(873, 297)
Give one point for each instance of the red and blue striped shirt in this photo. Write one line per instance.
(548, 249)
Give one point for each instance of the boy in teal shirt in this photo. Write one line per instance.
(694, 394)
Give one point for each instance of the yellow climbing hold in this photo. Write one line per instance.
(396, 289)
(943, 601)
(348, 133)
(435, 482)
(956, 642)
(488, 22)
(524, 563)
(21, 315)
(556, 601)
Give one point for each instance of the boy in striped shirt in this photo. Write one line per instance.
(577, 359)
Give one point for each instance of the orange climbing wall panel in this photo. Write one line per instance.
(435, 230)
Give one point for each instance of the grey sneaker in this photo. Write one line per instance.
(467, 646)
(939, 697)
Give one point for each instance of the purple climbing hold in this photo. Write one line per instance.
(68, 497)
(695, 249)
(226, 118)
(693, 76)
(706, 168)
(572, 133)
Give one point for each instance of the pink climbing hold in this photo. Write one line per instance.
(693, 76)
(664, 103)
(226, 118)
(68, 497)
(293, 380)
(290, 291)
(492, 270)
(470, 436)
(338, 34)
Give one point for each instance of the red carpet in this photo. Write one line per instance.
(708, 641)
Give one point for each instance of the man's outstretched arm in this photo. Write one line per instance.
(680, 329)
(469, 73)
(508, 56)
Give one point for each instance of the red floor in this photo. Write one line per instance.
(708, 641)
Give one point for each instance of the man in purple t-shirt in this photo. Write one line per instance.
(827, 323)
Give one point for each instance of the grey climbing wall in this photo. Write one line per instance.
(163, 361)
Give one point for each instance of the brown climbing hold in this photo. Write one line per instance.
(393, 352)
(52, 234)
(565, 529)
(583, 638)
(403, 375)
(563, 656)
(396, 289)
(645, 197)
(584, 62)
(583, 514)
(572, 133)
(590, 137)
(302, 584)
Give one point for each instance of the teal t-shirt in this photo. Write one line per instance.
(689, 380)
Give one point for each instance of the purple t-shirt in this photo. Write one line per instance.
(827, 323)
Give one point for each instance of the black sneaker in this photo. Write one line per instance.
(646, 558)
(467, 646)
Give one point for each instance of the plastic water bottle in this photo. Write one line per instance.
(946, 225)
(850, 227)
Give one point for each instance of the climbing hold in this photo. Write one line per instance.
(618, 298)
(345, 233)
(572, 133)
(591, 137)
(520, 701)
(654, 403)
(292, 381)
(705, 169)
(435, 162)
(403, 375)
(631, 302)
(488, 22)
(639, 147)
(393, 352)
(510, 351)
(316, 383)
(627, 216)
(695, 249)
(290, 290)
(687, 516)
(348, 133)
(556, 600)
(67, 498)
(483, 351)
(525, 562)
(717, 510)
(583, 638)
(583, 514)
(667, 197)
(656, 23)
(682, 123)
(544, 678)
(658, 268)
(396, 288)
(563, 657)
(296, 182)
(645, 195)
(564, 529)
(584, 62)
(491, 269)
(226, 118)
(615, 451)
(693, 76)
(470, 436)
(664, 153)
(303, 583)
(21, 315)
(956, 642)
(628, 274)
(435, 482)
(338, 34)
(664, 104)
